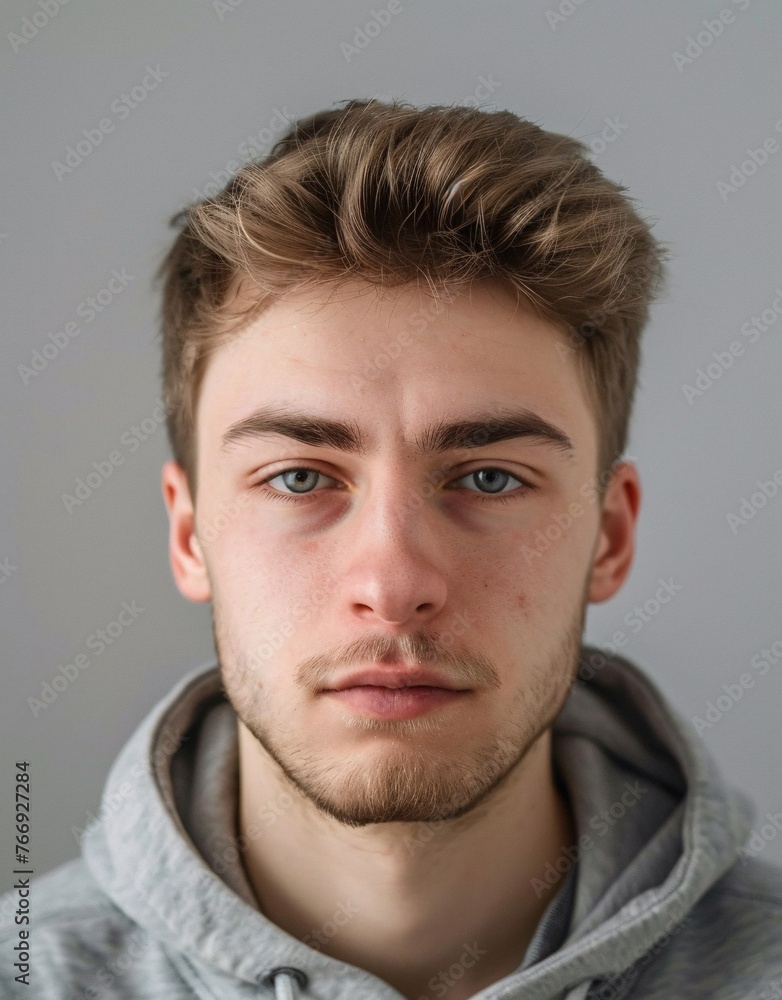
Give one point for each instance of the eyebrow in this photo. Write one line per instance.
(443, 436)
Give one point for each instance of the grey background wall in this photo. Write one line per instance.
(678, 102)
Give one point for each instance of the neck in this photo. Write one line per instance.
(406, 901)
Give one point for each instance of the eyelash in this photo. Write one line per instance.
(503, 498)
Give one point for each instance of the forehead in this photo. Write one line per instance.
(396, 358)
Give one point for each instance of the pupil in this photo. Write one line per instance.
(497, 479)
(300, 477)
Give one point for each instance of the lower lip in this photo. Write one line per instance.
(395, 703)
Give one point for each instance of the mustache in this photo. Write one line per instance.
(466, 669)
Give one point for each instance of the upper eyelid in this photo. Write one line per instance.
(519, 479)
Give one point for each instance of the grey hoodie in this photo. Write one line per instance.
(657, 901)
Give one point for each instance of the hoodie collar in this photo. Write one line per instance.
(661, 823)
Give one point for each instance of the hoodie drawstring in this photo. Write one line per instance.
(285, 980)
(582, 991)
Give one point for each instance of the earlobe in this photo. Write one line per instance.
(188, 565)
(615, 548)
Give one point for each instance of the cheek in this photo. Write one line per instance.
(246, 564)
(541, 575)
(268, 572)
(501, 584)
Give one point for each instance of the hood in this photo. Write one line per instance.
(657, 827)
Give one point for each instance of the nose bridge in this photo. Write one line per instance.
(393, 562)
(395, 510)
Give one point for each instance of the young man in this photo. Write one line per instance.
(400, 359)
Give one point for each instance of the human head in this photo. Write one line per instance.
(395, 563)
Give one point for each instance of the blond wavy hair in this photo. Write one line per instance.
(397, 195)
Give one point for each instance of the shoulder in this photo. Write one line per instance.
(80, 944)
(729, 945)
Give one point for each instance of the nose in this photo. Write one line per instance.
(395, 574)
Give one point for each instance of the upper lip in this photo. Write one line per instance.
(394, 677)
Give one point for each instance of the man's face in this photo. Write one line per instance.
(406, 549)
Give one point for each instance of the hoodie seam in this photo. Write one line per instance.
(601, 934)
(648, 915)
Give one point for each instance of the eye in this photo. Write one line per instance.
(495, 481)
(296, 481)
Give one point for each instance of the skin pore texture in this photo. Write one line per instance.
(400, 841)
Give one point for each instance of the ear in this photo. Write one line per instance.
(187, 559)
(615, 546)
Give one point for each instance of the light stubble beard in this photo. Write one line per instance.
(409, 778)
